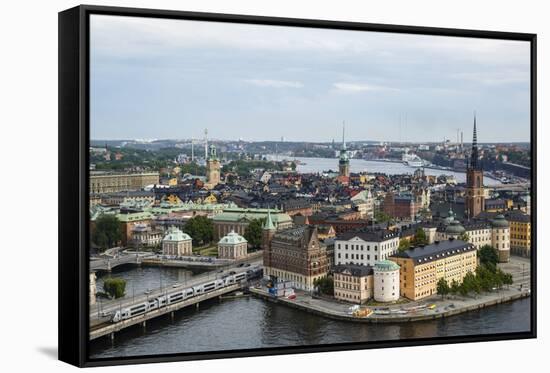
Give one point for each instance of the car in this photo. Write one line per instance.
(148, 291)
(247, 265)
(175, 285)
(232, 272)
(240, 265)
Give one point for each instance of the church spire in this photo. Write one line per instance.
(344, 135)
(268, 225)
(474, 163)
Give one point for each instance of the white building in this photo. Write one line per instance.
(386, 281)
(365, 248)
(177, 243)
(232, 246)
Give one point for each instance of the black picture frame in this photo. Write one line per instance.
(74, 36)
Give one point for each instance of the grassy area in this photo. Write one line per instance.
(374, 303)
(206, 250)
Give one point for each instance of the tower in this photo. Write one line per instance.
(268, 230)
(343, 163)
(475, 200)
(212, 168)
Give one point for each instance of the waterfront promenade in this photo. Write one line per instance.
(450, 306)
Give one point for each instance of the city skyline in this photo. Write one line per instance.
(173, 78)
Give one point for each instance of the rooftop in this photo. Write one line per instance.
(436, 251)
(353, 270)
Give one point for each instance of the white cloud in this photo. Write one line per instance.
(341, 87)
(274, 83)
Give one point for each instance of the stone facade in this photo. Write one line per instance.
(353, 283)
(105, 182)
(177, 243)
(365, 248)
(386, 281)
(232, 246)
(295, 254)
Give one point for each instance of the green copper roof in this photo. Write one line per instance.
(268, 222)
(455, 227)
(385, 265)
(238, 214)
(500, 222)
(174, 234)
(232, 238)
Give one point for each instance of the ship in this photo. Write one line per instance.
(412, 160)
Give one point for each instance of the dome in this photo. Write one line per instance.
(455, 227)
(386, 265)
(174, 234)
(232, 238)
(500, 222)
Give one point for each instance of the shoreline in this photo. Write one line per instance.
(470, 304)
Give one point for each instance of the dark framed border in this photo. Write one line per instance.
(73, 227)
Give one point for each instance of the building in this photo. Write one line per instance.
(108, 182)
(232, 246)
(353, 283)
(386, 281)
(129, 219)
(237, 219)
(493, 232)
(520, 233)
(501, 237)
(365, 247)
(144, 235)
(128, 197)
(93, 288)
(213, 167)
(294, 254)
(177, 243)
(475, 199)
(343, 162)
(422, 267)
(364, 203)
(401, 207)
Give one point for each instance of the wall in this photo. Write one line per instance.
(29, 84)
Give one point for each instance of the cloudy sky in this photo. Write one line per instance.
(159, 79)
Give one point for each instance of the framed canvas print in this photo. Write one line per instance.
(235, 186)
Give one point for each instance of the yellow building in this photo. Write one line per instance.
(422, 267)
(106, 182)
(520, 233)
(353, 283)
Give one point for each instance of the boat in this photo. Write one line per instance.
(412, 160)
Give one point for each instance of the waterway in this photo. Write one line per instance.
(315, 165)
(246, 323)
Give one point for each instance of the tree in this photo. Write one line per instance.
(382, 217)
(464, 237)
(488, 256)
(404, 244)
(455, 287)
(201, 229)
(253, 233)
(420, 237)
(107, 232)
(325, 285)
(443, 287)
(115, 287)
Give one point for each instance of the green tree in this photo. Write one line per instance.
(443, 287)
(404, 244)
(382, 217)
(420, 237)
(454, 288)
(464, 237)
(201, 230)
(488, 256)
(107, 232)
(325, 285)
(115, 287)
(253, 233)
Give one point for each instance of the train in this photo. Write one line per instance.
(181, 295)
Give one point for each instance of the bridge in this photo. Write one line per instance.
(517, 187)
(107, 264)
(107, 328)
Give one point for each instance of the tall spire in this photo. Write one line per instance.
(344, 135)
(268, 225)
(475, 155)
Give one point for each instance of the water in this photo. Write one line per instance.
(247, 323)
(315, 165)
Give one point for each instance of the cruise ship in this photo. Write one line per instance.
(412, 160)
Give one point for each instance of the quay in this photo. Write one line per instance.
(443, 307)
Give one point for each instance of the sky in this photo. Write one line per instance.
(171, 79)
